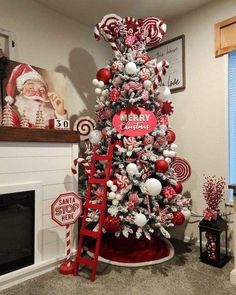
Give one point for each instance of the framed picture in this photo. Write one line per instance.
(31, 97)
(174, 52)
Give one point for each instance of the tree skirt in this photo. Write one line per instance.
(132, 252)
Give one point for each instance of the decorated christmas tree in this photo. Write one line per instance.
(7, 119)
(24, 123)
(39, 122)
(132, 108)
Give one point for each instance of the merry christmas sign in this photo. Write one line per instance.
(134, 122)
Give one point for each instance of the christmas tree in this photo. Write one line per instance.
(24, 123)
(7, 120)
(39, 122)
(132, 108)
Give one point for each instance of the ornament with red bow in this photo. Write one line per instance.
(112, 224)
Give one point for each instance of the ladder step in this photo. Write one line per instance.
(89, 233)
(94, 206)
(102, 157)
(87, 261)
(97, 180)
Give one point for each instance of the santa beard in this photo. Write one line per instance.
(29, 106)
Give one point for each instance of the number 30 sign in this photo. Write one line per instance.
(59, 124)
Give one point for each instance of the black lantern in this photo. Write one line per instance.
(215, 250)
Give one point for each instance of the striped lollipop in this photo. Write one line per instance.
(155, 30)
(181, 169)
(122, 181)
(84, 125)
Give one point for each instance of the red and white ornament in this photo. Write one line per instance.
(170, 136)
(181, 168)
(178, 218)
(122, 181)
(112, 224)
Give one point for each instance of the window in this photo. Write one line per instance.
(232, 119)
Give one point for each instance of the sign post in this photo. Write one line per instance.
(66, 210)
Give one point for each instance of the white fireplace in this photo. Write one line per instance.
(44, 168)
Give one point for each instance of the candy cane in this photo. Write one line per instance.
(83, 162)
(68, 244)
(148, 204)
(160, 70)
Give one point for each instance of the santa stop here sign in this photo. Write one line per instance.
(66, 209)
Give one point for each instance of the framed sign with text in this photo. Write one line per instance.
(173, 51)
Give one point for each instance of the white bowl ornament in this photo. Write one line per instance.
(95, 136)
(153, 187)
(140, 219)
(164, 93)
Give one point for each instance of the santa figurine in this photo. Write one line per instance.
(32, 97)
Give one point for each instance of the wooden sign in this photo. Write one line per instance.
(134, 122)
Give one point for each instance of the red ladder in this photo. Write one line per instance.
(97, 235)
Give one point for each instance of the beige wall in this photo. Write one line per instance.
(48, 40)
(200, 118)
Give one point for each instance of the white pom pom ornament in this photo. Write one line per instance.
(98, 91)
(147, 84)
(109, 183)
(95, 82)
(130, 68)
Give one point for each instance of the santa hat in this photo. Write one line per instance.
(19, 75)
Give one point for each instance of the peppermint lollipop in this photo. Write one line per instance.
(122, 181)
(181, 168)
(84, 125)
(155, 29)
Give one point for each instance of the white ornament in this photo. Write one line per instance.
(104, 92)
(147, 84)
(130, 68)
(174, 146)
(186, 213)
(168, 160)
(115, 202)
(170, 154)
(140, 219)
(164, 93)
(132, 169)
(119, 197)
(114, 188)
(109, 183)
(153, 186)
(95, 82)
(111, 196)
(95, 136)
(100, 84)
(98, 91)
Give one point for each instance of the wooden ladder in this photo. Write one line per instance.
(97, 235)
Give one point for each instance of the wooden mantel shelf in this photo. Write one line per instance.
(38, 135)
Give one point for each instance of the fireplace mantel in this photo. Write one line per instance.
(38, 135)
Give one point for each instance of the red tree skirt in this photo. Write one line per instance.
(133, 252)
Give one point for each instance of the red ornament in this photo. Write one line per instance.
(170, 136)
(178, 218)
(167, 108)
(178, 188)
(161, 166)
(112, 223)
(114, 95)
(118, 142)
(104, 75)
(146, 58)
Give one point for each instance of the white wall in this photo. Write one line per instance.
(200, 117)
